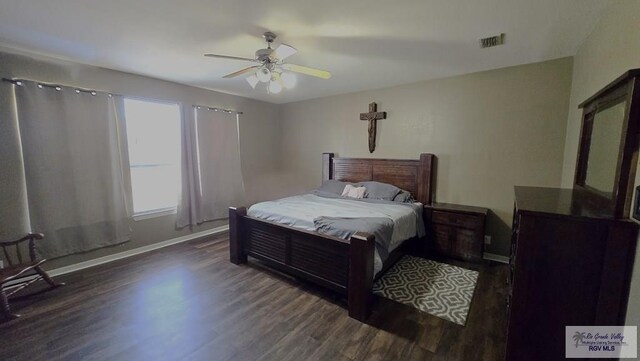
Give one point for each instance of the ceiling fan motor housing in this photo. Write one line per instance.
(263, 55)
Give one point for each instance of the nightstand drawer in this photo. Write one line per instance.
(457, 219)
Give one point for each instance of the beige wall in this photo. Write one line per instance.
(611, 49)
(490, 130)
(259, 137)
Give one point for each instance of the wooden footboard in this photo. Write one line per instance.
(345, 266)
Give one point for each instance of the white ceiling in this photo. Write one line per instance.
(365, 44)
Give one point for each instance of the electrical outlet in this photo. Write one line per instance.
(487, 239)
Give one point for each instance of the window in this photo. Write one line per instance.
(153, 136)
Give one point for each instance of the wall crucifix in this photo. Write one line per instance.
(372, 117)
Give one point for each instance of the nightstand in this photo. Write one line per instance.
(455, 230)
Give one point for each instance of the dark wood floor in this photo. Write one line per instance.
(187, 302)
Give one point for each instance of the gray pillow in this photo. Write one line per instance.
(378, 190)
(404, 197)
(333, 186)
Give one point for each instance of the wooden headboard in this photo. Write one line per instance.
(415, 176)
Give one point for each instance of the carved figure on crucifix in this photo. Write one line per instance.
(372, 118)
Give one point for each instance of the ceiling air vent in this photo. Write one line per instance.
(492, 41)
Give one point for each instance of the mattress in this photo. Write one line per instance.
(301, 211)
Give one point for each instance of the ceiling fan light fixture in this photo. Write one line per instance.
(253, 80)
(264, 74)
(288, 79)
(275, 87)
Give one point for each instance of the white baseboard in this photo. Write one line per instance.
(136, 251)
(495, 257)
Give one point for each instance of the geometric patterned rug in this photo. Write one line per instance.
(436, 288)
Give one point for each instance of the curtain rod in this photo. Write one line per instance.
(206, 107)
(78, 90)
(18, 82)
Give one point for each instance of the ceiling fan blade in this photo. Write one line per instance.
(306, 70)
(277, 77)
(242, 71)
(252, 80)
(228, 57)
(284, 51)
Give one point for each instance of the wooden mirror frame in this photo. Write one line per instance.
(624, 88)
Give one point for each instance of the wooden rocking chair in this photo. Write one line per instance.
(18, 271)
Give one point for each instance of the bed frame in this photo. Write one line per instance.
(344, 266)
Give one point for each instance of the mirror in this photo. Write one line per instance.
(608, 150)
(606, 137)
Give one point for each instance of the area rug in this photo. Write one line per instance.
(436, 288)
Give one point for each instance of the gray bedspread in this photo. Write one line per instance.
(342, 227)
(390, 222)
(380, 227)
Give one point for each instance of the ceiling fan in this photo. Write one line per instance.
(270, 68)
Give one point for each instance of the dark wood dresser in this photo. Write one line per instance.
(456, 230)
(570, 264)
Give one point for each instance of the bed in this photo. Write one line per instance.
(347, 266)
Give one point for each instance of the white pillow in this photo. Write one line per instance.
(353, 192)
